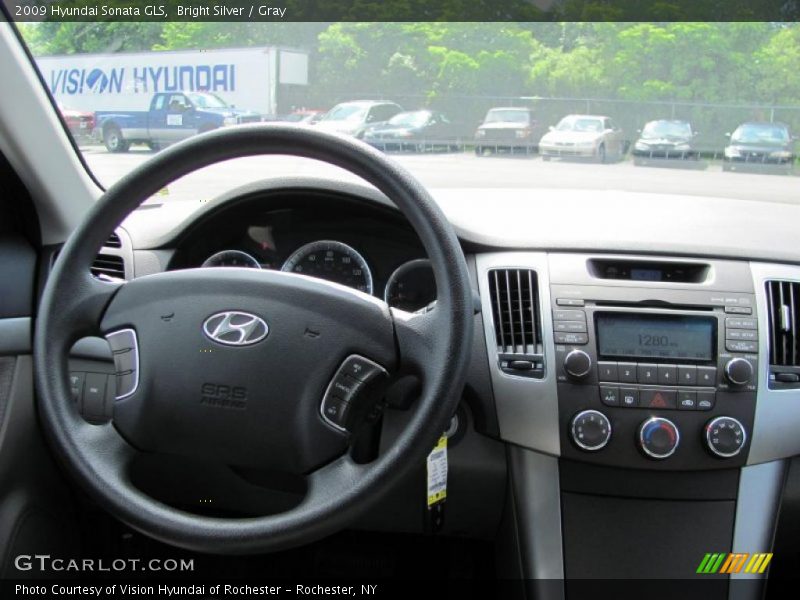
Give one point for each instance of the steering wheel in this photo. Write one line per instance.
(247, 367)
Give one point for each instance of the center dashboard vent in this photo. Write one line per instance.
(517, 323)
(783, 315)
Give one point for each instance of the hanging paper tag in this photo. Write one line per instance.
(437, 473)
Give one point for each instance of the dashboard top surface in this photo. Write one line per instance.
(581, 220)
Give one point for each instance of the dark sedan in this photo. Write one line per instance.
(665, 140)
(415, 131)
(760, 146)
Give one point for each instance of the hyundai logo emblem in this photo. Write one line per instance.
(235, 328)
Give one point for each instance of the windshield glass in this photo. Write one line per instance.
(507, 116)
(580, 124)
(207, 101)
(608, 81)
(667, 129)
(411, 119)
(757, 133)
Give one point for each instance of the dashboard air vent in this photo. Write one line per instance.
(109, 267)
(114, 241)
(517, 324)
(783, 315)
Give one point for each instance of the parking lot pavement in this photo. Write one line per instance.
(446, 170)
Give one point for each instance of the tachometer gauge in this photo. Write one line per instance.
(332, 261)
(411, 286)
(232, 258)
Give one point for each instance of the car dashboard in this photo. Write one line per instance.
(632, 384)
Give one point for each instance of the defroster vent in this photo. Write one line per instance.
(783, 313)
(517, 324)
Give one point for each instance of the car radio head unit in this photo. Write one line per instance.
(660, 337)
(644, 384)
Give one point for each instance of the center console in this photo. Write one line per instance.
(650, 380)
(649, 403)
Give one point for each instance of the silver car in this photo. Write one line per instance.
(584, 136)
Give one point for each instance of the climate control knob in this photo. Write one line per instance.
(590, 430)
(739, 371)
(658, 437)
(577, 364)
(725, 436)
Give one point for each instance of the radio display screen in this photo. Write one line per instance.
(665, 337)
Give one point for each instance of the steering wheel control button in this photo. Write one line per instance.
(121, 340)
(76, 379)
(125, 361)
(725, 437)
(93, 400)
(629, 397)
(125, 350)
(609, 395)
(658, 438)
(361, 368)
(335, 410)
(591, 430)
(352, 393)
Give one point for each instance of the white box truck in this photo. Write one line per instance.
(246, 78)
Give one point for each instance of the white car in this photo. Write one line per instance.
(584, 136)
(352, 118)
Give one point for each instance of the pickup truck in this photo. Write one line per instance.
(172, 116)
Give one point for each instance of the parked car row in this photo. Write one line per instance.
(387, 126)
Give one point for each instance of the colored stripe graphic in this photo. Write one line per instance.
(711, 562)
(733, 562)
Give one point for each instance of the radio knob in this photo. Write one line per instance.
(658, 437)
(725, 436)
(590, 430)
(577, 364)
(739, 371)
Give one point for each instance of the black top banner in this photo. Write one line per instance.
(402, 10)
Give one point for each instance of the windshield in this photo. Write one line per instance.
(667, 129)
(607, 81)
(761, 134)
(580, 124)
(507, 116)
(207, 101)
(411, 119)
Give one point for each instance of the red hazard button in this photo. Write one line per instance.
(666, 399)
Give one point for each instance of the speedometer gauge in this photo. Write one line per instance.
(232, 258)
(412, 286)
(332, 261)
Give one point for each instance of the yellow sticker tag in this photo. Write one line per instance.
(437, 472)
(163, 192)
